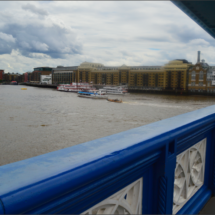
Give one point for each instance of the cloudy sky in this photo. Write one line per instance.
(67, 33)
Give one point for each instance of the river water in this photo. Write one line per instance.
(39, 120)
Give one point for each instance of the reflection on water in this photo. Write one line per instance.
(38, 120)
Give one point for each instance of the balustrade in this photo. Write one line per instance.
(162, 168)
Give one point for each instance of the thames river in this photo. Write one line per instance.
(39, 120)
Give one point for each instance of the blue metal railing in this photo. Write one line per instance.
(75, 179)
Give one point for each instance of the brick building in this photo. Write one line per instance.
(1, 75)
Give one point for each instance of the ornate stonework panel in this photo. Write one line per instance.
(126, 201)
(189, 174)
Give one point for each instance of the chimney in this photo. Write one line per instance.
(198, 57)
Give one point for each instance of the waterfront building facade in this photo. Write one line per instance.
(198, 78)
(35, 76)
(10, 77)
(175, 75)
(64, 75)
(211, 79)
(20, 78)
(172, 76)
(145, 78)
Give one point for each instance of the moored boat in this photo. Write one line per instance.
(75, 87)
(114, 90)
(91, 95)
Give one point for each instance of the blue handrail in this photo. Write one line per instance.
(74, 179)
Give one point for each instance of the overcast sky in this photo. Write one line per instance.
(53, 33)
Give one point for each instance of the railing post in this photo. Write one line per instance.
(166, 182)
(212, 163)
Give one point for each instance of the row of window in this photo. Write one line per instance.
(201, 75)
(194, 83)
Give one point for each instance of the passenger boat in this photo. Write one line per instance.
(115, 100)
(61, 87)
(114, 90)
(75, 87)
(91, 95)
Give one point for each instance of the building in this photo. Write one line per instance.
(20, 78)
(1, 75)
(25, 77)
(172, 76)
(199, 78)
(175, 75)
(8, 77)
(136, 77)
(35, 76)
(144, 77)
(64, 75)
(211, 79)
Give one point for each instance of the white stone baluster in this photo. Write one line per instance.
(126, 201)
(189, 174)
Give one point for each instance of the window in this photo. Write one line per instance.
(193, 76)
(193, 83)
(201, 75)
(200, 83)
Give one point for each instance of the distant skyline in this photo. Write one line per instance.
(52, 33)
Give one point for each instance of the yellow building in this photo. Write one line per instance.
(172, 76)
(138, 77)
(146, 77)
(175, 75)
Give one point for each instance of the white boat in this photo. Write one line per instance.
(75, 87)
(114, 90)
(61, 87)
(91, 95)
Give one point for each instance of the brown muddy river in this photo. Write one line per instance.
(38, 120)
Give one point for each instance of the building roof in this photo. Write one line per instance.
(183, 60)
(63, 69)
(43, 67)
(202, 12)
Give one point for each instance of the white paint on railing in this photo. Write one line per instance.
(189, 174)
(126, 201)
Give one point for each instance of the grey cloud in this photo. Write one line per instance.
(7, 37)
(54, 41)
(35, 10)
(125, 53)
(153, 38)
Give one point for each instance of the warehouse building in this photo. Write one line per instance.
(64, 75)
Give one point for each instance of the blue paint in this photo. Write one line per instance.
(74, 179)
(197, 202)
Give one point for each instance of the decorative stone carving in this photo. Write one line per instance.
(189, 174)
(126, 201)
